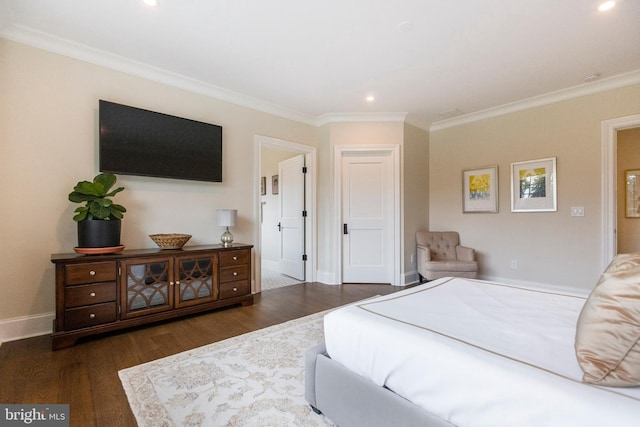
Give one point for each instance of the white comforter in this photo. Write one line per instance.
(478, 354)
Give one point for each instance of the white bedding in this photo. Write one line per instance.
(478, 353)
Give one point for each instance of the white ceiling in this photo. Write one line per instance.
(307, 59)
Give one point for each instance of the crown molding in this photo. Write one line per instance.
(47, 42)
(615, 82)
(359, 117)
(44, 41)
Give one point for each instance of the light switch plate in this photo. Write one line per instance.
(577, 211)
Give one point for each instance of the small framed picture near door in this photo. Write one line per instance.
(480, 190)
(263, 186)
(274, 184)
(534, 186)
(632, 183)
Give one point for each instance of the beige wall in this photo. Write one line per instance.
(628, 154)
(48, 137)
(550, 247)
(415, 192)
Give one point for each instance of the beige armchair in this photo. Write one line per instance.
(440, 255)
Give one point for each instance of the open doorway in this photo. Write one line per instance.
(610, 129)
(275, 223)
(628, 191)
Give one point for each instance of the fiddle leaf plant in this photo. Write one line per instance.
(96, 198)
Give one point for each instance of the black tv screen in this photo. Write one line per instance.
(134, 141)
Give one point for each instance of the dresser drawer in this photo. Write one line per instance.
(77, 274)
(229, 274)
(235, 289)
(239, 257)
(75, 296)
(82, 317)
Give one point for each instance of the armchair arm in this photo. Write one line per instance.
(424, 254)
(464, 253)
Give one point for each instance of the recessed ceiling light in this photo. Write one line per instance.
(370, 98)
(606, 5)
(150, 3)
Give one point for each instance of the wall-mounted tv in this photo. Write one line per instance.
(134, 141)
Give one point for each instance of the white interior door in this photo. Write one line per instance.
(367, 217)
(291, 224)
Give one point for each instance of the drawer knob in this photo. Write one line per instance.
(235, 258)
(92, 316)
(235, 273)
(92, 273)
(92, 294)
(235, 289)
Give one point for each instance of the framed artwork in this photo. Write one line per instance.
(632, 196)
(534, 186)
(263, 186)
(274, 184)
(480, 190)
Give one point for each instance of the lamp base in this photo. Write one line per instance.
(226, 238)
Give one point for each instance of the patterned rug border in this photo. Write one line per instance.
(140, 390)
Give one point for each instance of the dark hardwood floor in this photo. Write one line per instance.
(85, 376)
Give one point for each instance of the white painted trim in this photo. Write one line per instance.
(609, 134)
(311, 234)
(614, 82)
(105, 59)
(360, 117)
(19, 328)
(48, 42)
(394, 151)
(328, 278)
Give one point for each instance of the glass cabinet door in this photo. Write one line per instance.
(147, 286)
(196, 280)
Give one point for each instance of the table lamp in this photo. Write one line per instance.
(227, 218)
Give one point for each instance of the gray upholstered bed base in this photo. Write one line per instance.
(349, 399)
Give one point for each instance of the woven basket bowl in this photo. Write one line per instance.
(170, 241)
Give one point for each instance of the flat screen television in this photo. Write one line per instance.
(134, 141)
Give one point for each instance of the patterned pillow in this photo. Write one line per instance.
(608, 331)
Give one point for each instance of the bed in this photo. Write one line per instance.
(469, 352)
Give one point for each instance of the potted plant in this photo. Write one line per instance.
(99, 218)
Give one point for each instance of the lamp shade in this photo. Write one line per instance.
(227, 217)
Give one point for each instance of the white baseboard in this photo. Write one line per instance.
(26, 327)
(328, 278)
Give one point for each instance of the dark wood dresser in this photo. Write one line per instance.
(102, 293)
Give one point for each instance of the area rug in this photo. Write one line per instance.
(255, 379)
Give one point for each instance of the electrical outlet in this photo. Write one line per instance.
(413, 259)
(514, 264)
(577, 211)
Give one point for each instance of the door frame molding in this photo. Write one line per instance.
(394, 152)
(609, 134)
(310, 155)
